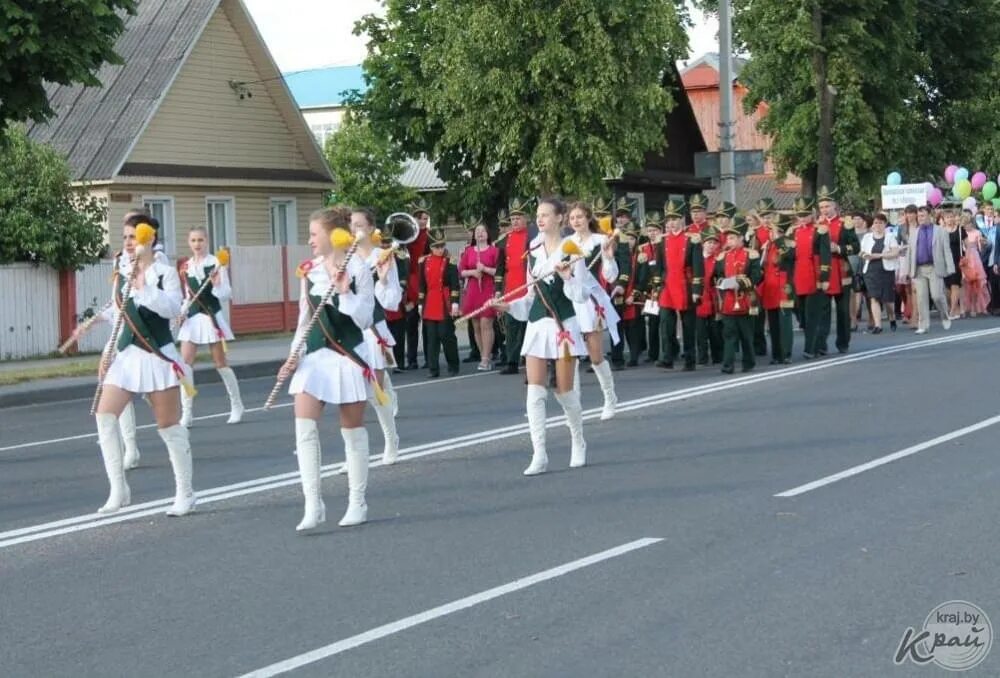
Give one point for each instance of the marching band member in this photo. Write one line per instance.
(203, 323)
(552, 332)
(776, 293)
(810, 273)
(513, 250)
(378, 339)
(335, 368)
(708, 329)
(596, 313)
(737, 272)
(146, 363)
(634, 275)
(439, 295)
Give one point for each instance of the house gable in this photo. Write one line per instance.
(203, 122)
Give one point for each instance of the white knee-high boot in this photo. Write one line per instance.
(126, 424)
(233, 389)
(570, 401)
(607, 381)
(179, 448)
(356, 453)
(111, 451)
(309, 454)
(390, 391)
(187, 402)
(387, 421)
(536, 425)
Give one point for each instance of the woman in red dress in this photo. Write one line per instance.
(478, 267)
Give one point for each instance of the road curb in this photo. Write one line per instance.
(54, 393)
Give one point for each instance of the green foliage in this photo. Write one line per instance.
(366, 168)
(43, 219)
(64, 42)
(522, 96)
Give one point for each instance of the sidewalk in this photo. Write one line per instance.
(249, 358)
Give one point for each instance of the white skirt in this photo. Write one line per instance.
(378, 358)
(330, 377)
(200, 330)
(541, 339)
(138, 371)
(587, 316)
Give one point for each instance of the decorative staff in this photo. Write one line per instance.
(144, 236)
(84, 328)
(340, 239)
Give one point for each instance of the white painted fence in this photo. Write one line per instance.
(29, 311)
(93, 291)
(256, 275)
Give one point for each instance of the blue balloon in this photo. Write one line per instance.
(894, 179)
(962, 173)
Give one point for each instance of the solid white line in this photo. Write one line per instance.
(392, 628)
(84, 436)
(881, 461)
(90, 521)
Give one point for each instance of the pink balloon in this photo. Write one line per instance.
(970, 204)
(978, 180)
(935, 197)
(928, 187)
(949, 173)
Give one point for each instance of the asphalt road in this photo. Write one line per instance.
(732, 580)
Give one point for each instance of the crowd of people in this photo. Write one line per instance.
(557, 286)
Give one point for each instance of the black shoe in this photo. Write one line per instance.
(472, 359)
(425, 366)
(452, 373)
(633, 363)
(727, 370)
(664, 365)
(841, 351)
(892, 325)
(412, 366)
(688, 367)
(617, 367)
(821, 352)
(748, 369)
(434, 375)
(511, 368)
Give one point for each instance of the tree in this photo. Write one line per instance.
(43, 217)
(522, 95)
(64, 42)
(366, 168)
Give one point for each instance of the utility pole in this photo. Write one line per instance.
(727, 162)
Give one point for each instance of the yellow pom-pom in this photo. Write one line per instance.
(145, 234)
(380, 395)
(376, 237)
(223, 257)
(570, 248)
(341, 239)
(604, 223)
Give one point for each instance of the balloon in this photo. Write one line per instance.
(949, 173)
(961, 175)
(978, 180)
(996, 203)
(935, 197)
(928, 187)
(989, 190)
(970, 204)
(962, 189)
(894, 179)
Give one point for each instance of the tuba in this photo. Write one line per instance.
(401, 228)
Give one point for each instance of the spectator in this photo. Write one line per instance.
(880, 254)
(988, 223)
(975, 288)
(478, 268)
(861, 225)
(930, 262)
(953, 283)
(905, 232)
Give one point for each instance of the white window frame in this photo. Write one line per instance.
(293, 218)
(168, 228)
(230, 203)
(640, 205)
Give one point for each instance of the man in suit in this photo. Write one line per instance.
(930, 261)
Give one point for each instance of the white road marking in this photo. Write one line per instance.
(84, 436)
(881, 461)
(90, 521)
(392, 628)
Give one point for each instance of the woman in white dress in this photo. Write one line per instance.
(596, 314)
(552, 333)
(146, 363)
(203, 323)
(378, 338)
(335, 367)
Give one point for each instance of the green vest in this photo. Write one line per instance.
(153, 329)
(550, 295)
(332, 323)
(206, 300)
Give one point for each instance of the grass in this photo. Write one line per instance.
(76, 366)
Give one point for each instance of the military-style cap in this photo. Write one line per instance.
(710, 233)
(698, 202)
(436, 236)
(804, 205)
(520, 206)
(737, 227)
(420, 205)
(673, 209)
(631, 229)
(764, 206)
(826, 195)
(503, 217)
(470, 223)
(726, 209)
(600, 207)
(783, 222)
(624, 205)
(654, 219)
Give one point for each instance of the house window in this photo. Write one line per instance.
(220, 219)
(322, 131)
(161, 207)
(283, 221)
(638, 201)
